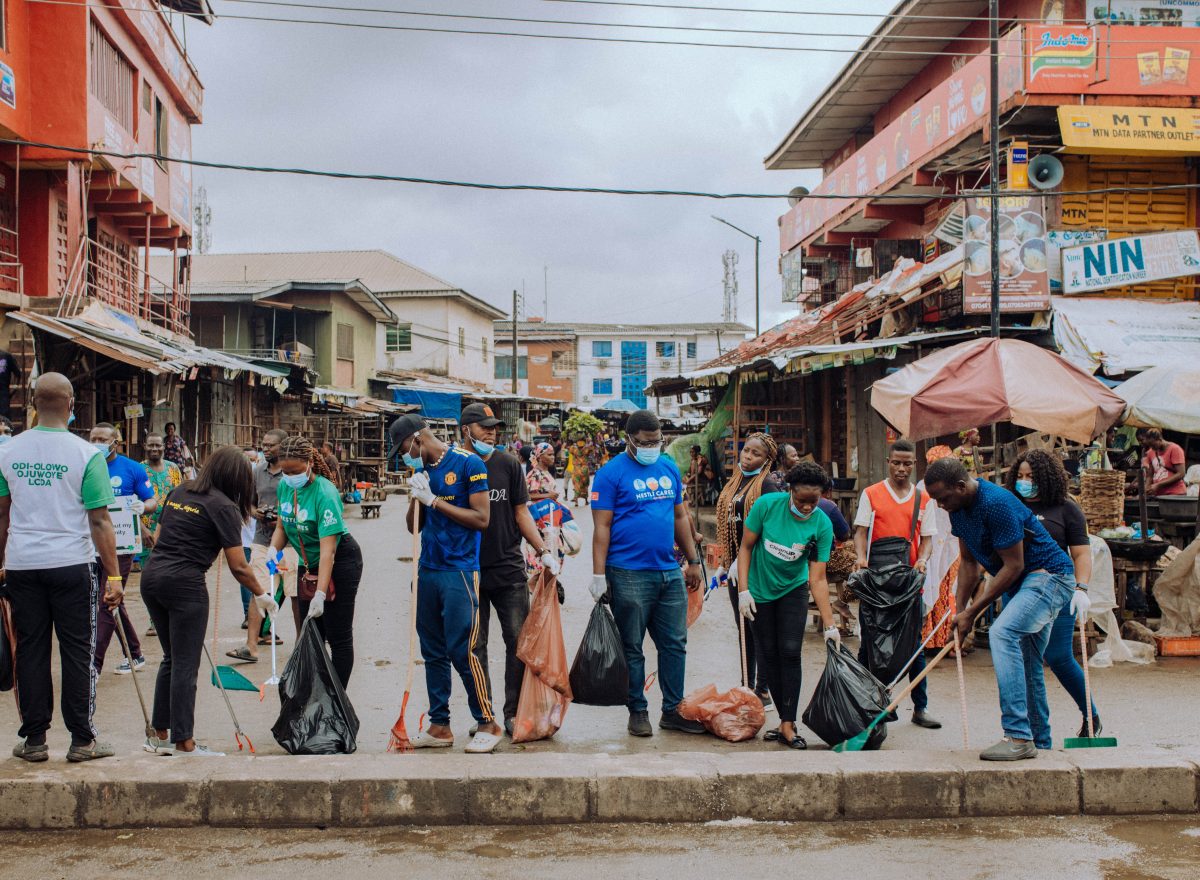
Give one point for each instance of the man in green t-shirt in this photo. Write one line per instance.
(54, 498)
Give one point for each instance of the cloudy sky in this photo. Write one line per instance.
(509, 110)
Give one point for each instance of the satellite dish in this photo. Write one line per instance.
(1045, 172)
(797, 193)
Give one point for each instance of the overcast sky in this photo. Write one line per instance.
(509, 110)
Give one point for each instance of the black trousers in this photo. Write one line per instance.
(180, 615)
(508, 593)
(64, 600)
(336, 624)
(779, 631)
(754, 671)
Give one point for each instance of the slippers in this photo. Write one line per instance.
(797, 742)
(265, 641)
(771, 735)
(243, 654)
(482, 743)
(423, 740)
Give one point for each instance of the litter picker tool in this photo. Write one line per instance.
(273, 569)
(1091, 741)
(133, 674)
(225, 676)
(238, 733)
(399, 741)
(858, 742)
(913, 658)
(962, 690)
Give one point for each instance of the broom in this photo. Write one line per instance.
(399, 741)
(1091, 741)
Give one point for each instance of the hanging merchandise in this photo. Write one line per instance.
(315, 715)
(599, 675)
(890, 614)
(846, 699)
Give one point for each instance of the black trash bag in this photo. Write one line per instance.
(890, 614)
(848, 698)
(8, 647)
(599, 675)
(315, 715)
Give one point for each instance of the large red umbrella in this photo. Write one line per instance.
(995, 380)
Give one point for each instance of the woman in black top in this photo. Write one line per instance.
(1039, 480)
(200, 519)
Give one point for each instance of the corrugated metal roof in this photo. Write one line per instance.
(543, 328)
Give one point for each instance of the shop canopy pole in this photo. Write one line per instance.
(994, 176)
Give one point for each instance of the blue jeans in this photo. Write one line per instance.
(1060, 657)
(653, 602)
(447, 626)
(1018, 639)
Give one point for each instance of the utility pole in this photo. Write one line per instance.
(994, 177)
(545, 293)
(757, 245)
(515, 360)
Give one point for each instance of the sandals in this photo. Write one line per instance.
(483, 743)
(424, 740)
(243, 654)
(265, 641)
(796, 742)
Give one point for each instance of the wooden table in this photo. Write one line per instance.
(1122, 569)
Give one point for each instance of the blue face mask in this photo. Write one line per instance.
(1027, 488)
(753, 473)
(295, 481)
(647, 456)
(105, 448)
(796, 511)
(482, 449)
(71, 418)
(4, 438)
(413, 461)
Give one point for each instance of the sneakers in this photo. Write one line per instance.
(1009, 750)
(199, 752)
(1096, 727)
(921, 718)
(639, 724)
(156, 746)
(31, 753)
(675, 721)
(123, 668)
(89, 752)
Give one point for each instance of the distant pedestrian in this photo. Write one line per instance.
(6, 431)
(540, 478)
(335, 466)
(968, 450)
(9, 370)
(788, 458)
(54, 524)
(1165, 465)
(201, 519)
(175, 450)
(639, 515)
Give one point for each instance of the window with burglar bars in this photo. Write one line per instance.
(111, 78)
(345, 342)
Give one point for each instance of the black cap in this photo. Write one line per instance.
(401, 429)
(479, 414)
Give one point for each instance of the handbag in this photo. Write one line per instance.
(306, 584)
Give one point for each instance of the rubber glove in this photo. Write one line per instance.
(419, 486)
(551, 563)
(746, 606)
(599, 587)
(266, 604)
(138, 506)
(317, 606)
(733, 572)
(1080, 603)
(834, 634)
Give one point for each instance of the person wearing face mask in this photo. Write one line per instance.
(310, 521)
(638, 514)
(502, 582)
(891, 514)
(750, 481)
(128, 479)
(6, 431)
(451, 506)
(785, 545)
(1039, 480)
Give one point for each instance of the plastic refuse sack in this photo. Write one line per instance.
(890, 613)
(734, 715)
(8, 647)
(846, 700)
(546, 688)
(599, 675)
(315, 715)
(695, 600)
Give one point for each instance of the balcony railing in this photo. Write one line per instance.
(281, 355)
(12, 273)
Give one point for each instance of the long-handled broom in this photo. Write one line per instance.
(399, 741)
(1091, 741)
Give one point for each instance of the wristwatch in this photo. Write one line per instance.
(1083, 587)
(694, 561)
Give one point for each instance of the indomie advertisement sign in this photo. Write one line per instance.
(1136, 260)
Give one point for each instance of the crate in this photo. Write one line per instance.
(1178, 646)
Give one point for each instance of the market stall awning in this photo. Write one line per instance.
(1164, 397)
(432, 404)
(1119, 336)
(126, 352)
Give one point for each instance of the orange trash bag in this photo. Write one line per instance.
(695, 604)
(546, 688)
(734, 715)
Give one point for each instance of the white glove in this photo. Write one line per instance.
(266, 604)
(746, 606)
(733, 572)
(1080, 603)
(834, 634)
(317, 606)
(138, 506)
(599, 587)
(551, 563)
(419, 486)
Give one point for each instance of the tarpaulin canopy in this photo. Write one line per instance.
(1164, 397)
(1118, 335)
(995, 380)
(433, 404)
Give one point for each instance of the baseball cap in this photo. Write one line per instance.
(479, 414)
(401, 429)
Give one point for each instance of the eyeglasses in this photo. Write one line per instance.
(652, 444)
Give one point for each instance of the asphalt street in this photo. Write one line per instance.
(1140, 705)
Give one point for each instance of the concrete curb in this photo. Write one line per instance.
(424, 789)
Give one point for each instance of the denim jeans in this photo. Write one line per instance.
(1018, 639)
(1060, 657)
(652, 602)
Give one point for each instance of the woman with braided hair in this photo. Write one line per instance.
(310, 519)
(751, 480)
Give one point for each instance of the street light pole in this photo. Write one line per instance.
(757, 245)
(994, 150)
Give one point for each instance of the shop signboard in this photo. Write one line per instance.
(1119, 60)
(1024, 282)
(127, 525)
(1138, 259)
(1059, 239)
(1130, 131)
(1154, 13)
(1061, 59)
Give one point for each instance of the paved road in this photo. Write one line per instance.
(1140, 705)
(1061, 849)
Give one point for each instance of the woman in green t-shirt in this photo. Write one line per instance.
(785, 544)
(310, 519)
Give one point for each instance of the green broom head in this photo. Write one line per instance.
(232, 680)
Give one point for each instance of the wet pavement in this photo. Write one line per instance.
(1043, 849)
(1141, 706)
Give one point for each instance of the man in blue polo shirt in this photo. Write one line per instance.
(1000, 534)
(638, 516)
(127, 478)
(451, 486)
